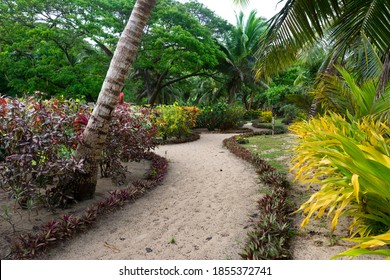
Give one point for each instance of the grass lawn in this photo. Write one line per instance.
(275, 149)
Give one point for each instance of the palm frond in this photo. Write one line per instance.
(370, 18)
(242, 3)
(299, 23)
(342, 24)
(364, 59)
(342, 93)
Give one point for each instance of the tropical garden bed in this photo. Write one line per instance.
(288, 239)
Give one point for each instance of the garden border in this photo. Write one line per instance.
(271, 235)
(30, 245)
(190, 138)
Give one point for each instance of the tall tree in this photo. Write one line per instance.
(240, 49)
(61, 47)
(94, 135)
(175, 47)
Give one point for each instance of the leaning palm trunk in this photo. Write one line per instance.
(94, 136)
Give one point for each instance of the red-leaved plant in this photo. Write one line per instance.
(29, 245)
(37, 144)
(131, 135)
(269, 239)
(38, 139)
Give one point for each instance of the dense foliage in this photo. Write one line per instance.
(39, 138)
(37, 143)
(350, 160)
(346, 152)
(64, 48)
(58, 47)
(220, 116)
(176, 47)
(174, 121)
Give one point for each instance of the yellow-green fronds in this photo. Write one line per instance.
(372, 245)
(350, 160)
(331, 200)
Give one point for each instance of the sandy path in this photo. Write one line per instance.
(204, 204)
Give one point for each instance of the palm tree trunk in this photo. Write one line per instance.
(384, 77)
(94, 136)
(330, 70)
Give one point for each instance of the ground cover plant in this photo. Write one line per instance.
(30, 245)
(269, 239)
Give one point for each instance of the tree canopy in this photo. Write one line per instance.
(58, 47)
(176, 46)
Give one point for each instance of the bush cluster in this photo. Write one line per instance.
(174, 121)
(251, 114)
(220, 116)
(266, 116)
(131, 134)
(291, 112)
(269, 239)
(349, 159)
(37, 143)
(39, 137)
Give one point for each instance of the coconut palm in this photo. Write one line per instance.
(94, 135)
(240, 49)
(341, 24)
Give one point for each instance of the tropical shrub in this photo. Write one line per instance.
(290, 113)
(39, 137)
(220, 116)
(38, 142)
(251, 114)
(192, 113)
(266, 116)
(131, 134)
(344, 95)
(174, 120)
(350, 160)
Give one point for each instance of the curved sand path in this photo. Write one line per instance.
(204, 204)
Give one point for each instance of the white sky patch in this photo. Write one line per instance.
(226, 9)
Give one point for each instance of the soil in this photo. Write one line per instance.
(203, 210)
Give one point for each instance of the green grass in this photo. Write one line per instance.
(274, 149)
(277, 122)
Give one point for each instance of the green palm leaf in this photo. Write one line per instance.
(342, 24)
(368, 17)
